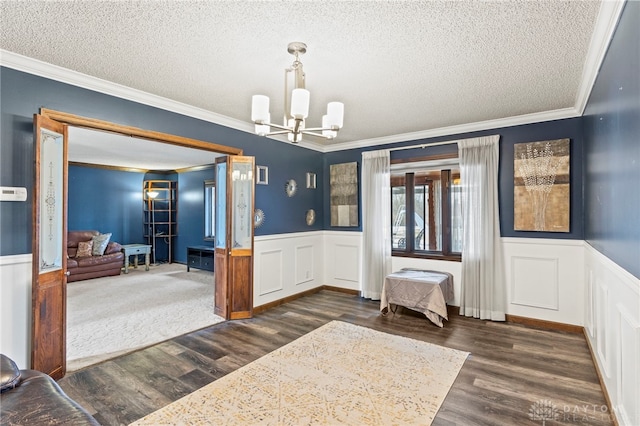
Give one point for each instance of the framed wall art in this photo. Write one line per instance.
(541, 186)
(262, 175)
(311, 180)
(344, 194)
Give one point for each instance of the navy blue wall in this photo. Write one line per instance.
(287, 214)
(24, 94)
(570, 128)
(191, 211)
(612, 148)
(106, 200)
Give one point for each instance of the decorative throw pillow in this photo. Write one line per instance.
(100, 243)
(84, 248)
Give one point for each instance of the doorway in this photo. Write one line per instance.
(54, 351)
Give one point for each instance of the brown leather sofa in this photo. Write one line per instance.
(83, 268)
(29, 397)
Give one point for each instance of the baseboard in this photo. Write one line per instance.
(532, 322)
(544, 324)
(601, 379)
(341, 290)
(262, 308)
(453, 310)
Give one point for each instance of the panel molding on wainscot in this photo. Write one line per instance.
(343, 259)
(269, 266)
(602, 326)
(286, 264)
(304, 264)
(545, 279)
(534, 281)
(612, 324)
(347, 255)
(629, 372)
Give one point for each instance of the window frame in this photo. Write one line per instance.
(209, 210)
(445, 188)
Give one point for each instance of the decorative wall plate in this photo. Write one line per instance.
(311, 217)
(258, 218)
(290, 187)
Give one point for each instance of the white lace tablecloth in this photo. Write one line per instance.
(420, 290)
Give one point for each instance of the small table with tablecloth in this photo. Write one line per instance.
(420, 290)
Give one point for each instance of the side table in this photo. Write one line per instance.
(135, 250)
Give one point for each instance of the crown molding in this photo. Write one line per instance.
(54, 72)
(606, 24)
(538, 117)
(43, 69)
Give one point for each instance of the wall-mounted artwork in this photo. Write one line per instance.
(541, 186)
(311, 180)
(262, 175)
(344, 194)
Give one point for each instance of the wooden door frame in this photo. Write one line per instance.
(107, 126)
(101, 125)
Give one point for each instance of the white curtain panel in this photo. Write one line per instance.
(376, 215)
(483, 292)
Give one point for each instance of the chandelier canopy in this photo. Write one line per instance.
(296, 106)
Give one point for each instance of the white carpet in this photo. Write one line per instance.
(338, 374)
(110, 316)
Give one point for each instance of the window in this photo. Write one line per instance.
(209, 209)
(426, 211)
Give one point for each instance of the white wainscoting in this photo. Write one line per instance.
(286, 264)
(545, 279)
(343, 259)
(15, 315)
(612, 323)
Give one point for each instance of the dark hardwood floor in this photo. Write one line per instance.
(511, 367)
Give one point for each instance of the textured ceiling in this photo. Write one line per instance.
(111, 149)
(398, 66)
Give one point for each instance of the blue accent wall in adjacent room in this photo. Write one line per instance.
(106, 200)
(191, 211)
(509, 136)
(612, 148)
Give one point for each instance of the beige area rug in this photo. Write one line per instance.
(338, 374)
(110, 316)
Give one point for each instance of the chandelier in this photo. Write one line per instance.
(296, 107)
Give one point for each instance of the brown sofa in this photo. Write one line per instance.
(83, 268)
(29, 397)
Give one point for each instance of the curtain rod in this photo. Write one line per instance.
(424, 145)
